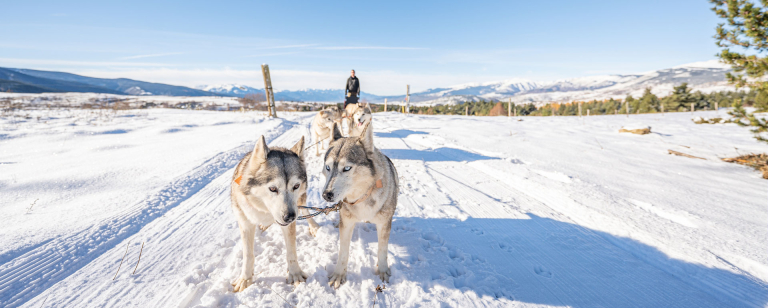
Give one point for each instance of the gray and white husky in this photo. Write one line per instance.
(322, 125)
(358, 174)
(268, 186)
(360, 119)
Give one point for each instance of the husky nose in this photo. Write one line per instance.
(328, 196)
(289, 217)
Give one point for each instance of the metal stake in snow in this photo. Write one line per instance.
(271, 110)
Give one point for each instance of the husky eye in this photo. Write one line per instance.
(273, 189)
(327, 167)
(347, 168)
(295, 187)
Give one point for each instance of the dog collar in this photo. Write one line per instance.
(378, 184)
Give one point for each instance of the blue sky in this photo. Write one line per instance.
(314, 44)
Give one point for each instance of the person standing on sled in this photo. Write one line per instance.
(352, 90)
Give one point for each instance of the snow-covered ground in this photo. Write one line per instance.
(493, 212)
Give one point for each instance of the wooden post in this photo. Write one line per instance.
(509, 108)
(662, 110)
(514, 111)
(691, 108)
(271, 110)
(385, 105)
(717, 108)
(580, 110)
(407, 98)
(587, 112)
(466, 110)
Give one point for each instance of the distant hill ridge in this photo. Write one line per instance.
(34, 81)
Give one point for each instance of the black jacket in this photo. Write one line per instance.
(353, 86)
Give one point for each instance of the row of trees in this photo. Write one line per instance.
(680, 100)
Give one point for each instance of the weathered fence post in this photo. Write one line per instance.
(466, 110)
(587, 112)
(580, 110)
(268, 91)
(662, 110)
(627, 109)
(509, 108)
(407, 98)
(691, 108)
(385, 105)
(717, 109)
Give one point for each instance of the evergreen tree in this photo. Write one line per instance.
(649, 102)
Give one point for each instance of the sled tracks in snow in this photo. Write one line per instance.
(28, 272)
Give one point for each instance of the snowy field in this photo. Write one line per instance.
(493, 212)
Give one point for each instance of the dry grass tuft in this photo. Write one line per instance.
(757, 161)
(638, 131)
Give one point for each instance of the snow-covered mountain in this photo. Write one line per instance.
(230, 89)
(705, 76)
(306, 95)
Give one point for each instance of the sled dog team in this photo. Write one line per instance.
(270, 184)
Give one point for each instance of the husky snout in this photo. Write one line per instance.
(328, 195)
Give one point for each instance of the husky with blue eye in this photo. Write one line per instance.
(268, 186)
(366, 183)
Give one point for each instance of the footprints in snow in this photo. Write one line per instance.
(542, 271)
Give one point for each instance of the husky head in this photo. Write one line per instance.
(327, 117)
(362, 116)
(348, 164)
(278, 178)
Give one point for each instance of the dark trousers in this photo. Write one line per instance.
(352, 99)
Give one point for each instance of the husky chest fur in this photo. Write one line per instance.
(366, 181)
(268, 187)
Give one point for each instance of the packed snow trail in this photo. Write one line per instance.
(486, 217)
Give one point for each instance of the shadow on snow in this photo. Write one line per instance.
(545, 261)
(439, 154)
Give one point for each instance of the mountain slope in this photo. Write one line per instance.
(37, 84)
(66, 82)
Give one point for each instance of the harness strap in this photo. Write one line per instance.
(378, 184)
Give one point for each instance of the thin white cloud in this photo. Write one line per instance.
(271, 54)
(151, 55)
(17, 62)
(368, 47)
(288, 46)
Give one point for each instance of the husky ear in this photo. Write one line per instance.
(259, 154)
(367, 138)
(298, 148)
(368, 108)
(336, 133)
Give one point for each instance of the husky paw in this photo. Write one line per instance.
(384, 275)
(240, 284)
(336, 279)
(263, 228)
(313, 231)
(296, 277)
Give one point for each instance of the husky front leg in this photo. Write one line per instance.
(295, 274)
(247, 233)
(339, 275)
(382, 268)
